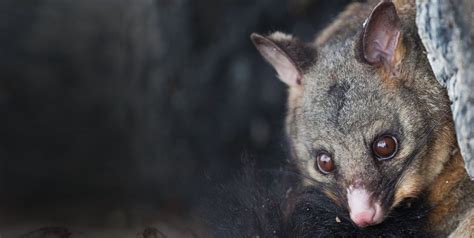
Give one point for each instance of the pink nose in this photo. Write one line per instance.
(364, 210)
(363, 218)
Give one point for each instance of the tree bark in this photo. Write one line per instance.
(446, 29)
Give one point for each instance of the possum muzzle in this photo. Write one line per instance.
(365, 209)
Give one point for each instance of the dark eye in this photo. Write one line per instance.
(324, 162)
(385, 147)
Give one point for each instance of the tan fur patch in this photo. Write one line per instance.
(442, 194)
(409, 188)
(413, 184)
(404, 6)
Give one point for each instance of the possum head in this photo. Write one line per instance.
(365, 115)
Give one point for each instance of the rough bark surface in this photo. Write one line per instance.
(446, 29)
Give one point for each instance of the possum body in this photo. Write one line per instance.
(368, 120)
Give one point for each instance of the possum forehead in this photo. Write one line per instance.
(345, 118)
(346, 98)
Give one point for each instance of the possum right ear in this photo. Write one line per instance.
(287, 55)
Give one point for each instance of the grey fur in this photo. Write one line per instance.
(344, 104)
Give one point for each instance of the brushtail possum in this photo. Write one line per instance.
(367, 118)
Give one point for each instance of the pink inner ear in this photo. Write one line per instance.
(285, 68)
(382, 48)
(381, 35)
(287, 71)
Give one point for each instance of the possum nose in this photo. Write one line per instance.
(364, 211)
(363, 219)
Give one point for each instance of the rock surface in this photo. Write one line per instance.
(447, 31)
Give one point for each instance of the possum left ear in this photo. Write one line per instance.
(381, 39)
(287, 55)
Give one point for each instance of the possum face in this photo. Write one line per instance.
(359, 136)
(362, 118)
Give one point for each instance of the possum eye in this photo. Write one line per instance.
(324, 162)
(385, 147)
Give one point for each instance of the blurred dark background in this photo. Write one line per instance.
(124, 102)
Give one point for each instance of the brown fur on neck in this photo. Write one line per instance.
(445, 193)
